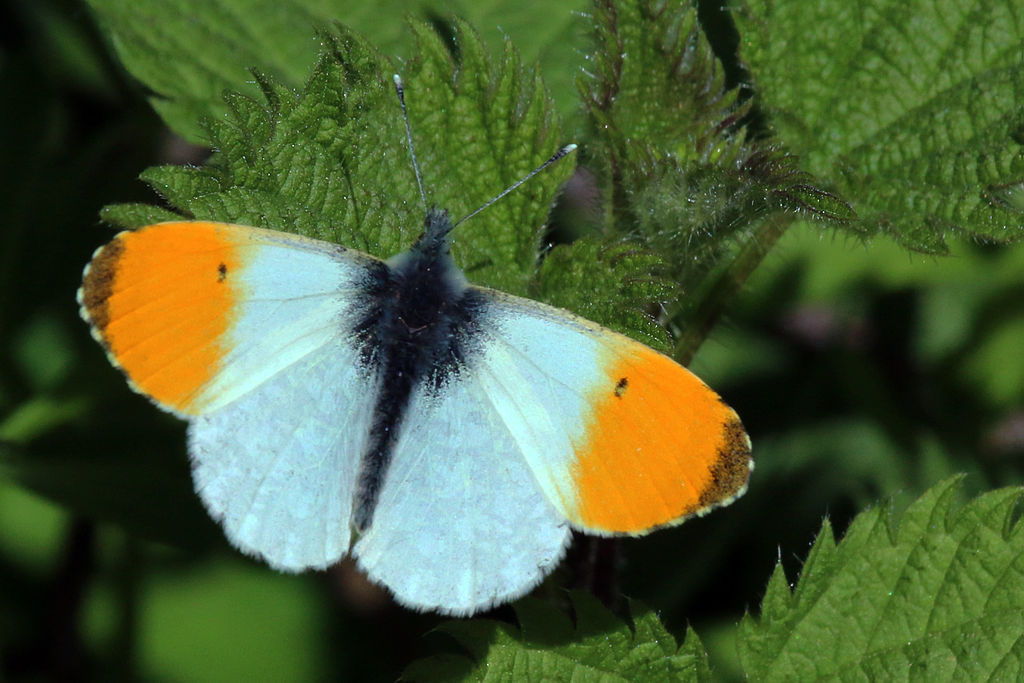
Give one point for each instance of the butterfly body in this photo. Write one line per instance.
(416, 328)
(447, 436)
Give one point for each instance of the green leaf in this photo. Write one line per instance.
(136, 215)
(605, 282)
(677, 170)
(188, 52)
(548, 646)
(939, 593)
(914, 111)
(315, 162)
(37, 416)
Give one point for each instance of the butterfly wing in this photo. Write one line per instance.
(460, 524)
(621, 438)
(277, 467)
(552, 421)
(226, 326)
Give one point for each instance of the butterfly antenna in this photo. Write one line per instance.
(554, 157)
(400, 89)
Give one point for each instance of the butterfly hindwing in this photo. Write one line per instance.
(278, 466)
(460, 523)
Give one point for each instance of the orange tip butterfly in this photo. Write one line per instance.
(448, 437)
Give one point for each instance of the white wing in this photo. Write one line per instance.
(620, 438)
(461, 523)
(285, 421)
(277, 467)
(247, 334)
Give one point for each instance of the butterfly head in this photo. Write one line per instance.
(437, 225)
(429, 259)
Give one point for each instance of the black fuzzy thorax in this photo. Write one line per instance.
(418, 323)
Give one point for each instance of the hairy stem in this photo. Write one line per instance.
(726, 284)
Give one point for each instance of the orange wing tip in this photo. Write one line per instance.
(660, 448)
(730, 473)
(729, 478)
(145, 265)
(97, 284)
(92, 295)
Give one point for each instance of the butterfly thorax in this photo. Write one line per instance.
(419, 322)
(425, 282)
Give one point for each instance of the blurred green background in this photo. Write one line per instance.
(860, 370)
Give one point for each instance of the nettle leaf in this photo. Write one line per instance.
(136, 215)
(677, 170)
(915, 111)
(548, 646)
(491, 127)
(602, 280)
(188, 52)
(331, 162)
(939, 593)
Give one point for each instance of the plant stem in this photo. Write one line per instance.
(726, 284)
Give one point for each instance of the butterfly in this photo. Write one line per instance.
(447, 436)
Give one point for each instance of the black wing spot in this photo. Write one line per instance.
(620, 387)
(222, 272)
